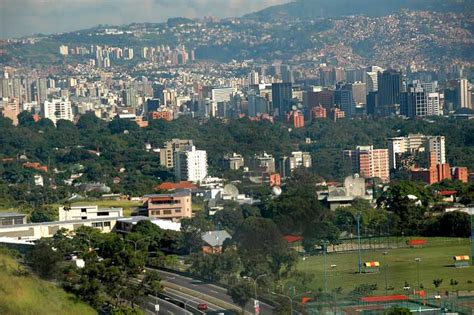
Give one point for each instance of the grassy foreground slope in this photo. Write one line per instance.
(398, 266)
(27, 294)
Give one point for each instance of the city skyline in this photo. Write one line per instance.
(46, 16)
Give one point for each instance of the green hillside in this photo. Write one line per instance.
(26, 294)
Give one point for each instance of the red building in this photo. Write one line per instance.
(275, 180)
(318, 112)
(429, 176)
(296, 118)
(461, 174)
(335, 114)
(164, 114)
(444, 172)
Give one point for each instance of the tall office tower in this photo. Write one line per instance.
(326, 76)
(369, 162)
(339, 74)
(463, 93)
(389, 88)
(29, 89)
(371, 78)
(129, 97)
(434, 102)
(63, 50)
(430, 87)
(220, 95)
(325, 98)
(57, 109)
(282, 95)
(168, 151)
(286, 73)
(128, 53)
(144, 52)
(396, 146)
(436, 144)
(373, 104)
(190, 164)
(17, 88)
(253, 78)
(4, 91)
(343, 97)
(257, 105)
(41, 90)
(413, 102)
(359, 93)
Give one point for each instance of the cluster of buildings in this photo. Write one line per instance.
(424, 157)
(275, 93)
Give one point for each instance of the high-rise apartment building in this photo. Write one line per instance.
(288, 164)
(436, 144)
(190, 164)
(168, 151)
(57, 109)
(343, 97)
(463, 94)
(369, 162)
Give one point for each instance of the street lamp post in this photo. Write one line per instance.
(255, 281)
(325, 245)
(358, 241)
(135, 243)
(255, 284)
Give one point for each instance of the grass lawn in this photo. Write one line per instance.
(398, 266)
(31, 295)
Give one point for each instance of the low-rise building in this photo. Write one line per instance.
(12, 218)
(173, 206)
(213, 241)
(87, 212)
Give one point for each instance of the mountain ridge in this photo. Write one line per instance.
(311, 9)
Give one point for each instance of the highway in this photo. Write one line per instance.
(166, 308)
(208, 292)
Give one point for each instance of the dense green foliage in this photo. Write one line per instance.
(126, 167)
(113, 264)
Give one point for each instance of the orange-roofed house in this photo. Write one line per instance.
(170, 186)
(36, 166)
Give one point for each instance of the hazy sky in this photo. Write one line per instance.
(26, 17)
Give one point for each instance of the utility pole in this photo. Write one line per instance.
(325, 267)
(358, 241)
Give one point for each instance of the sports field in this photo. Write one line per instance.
(397, 266)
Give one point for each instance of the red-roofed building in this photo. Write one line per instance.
(448, 195)
(294, 242)
(169, 186)
(36, 166)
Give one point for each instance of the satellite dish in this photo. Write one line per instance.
(276, 190)
(231, 190)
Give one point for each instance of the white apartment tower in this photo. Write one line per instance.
(57, 109)
(464, 95)
(190, 164)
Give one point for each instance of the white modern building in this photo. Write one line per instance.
(190, 164)
(88, 212)
(57, 109)
(434, 104)
(436, 144)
